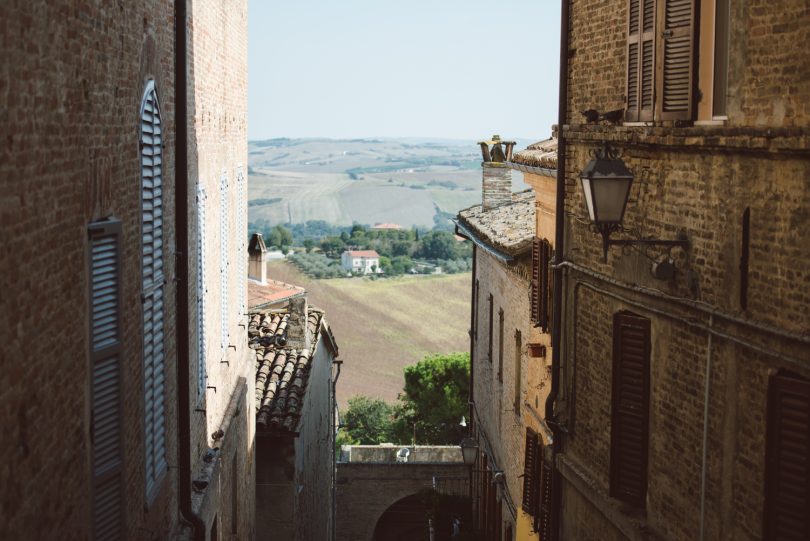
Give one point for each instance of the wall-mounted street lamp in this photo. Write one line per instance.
(606, 183)
(469, 450)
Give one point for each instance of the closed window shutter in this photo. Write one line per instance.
(630, 408)
(105, 351)
(224, 238)
(529, 464)
(201, 291)
(677, 59)
(640, 60)
(543, 523)
(545, 270)
(550, 292)
(241, 240)
(535, 291)
(153, 289)
(787, 459)
(491, 302)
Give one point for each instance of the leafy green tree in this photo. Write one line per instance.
(438, 245)
(368, 421)
(435, 396)
(280, 236)
(332, 246)
(400, 247)
(309, 244)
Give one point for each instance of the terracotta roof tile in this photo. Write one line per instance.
(540, 154)
(363, 253)
(282, 373)
(508, 228)
(262, 295)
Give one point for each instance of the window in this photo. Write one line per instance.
(500, 345)
(202, 291)
(787, 472)
(154, 368)
(630, 408)
(489, 321)
(105, 395)
(537, 485)
(541, 286)
(241, 240)
(672, 75)
(224, 245)
(475, 310)
(518, 368)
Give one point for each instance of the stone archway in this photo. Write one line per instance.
(405, 520)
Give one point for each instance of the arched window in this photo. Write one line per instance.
(154, 366)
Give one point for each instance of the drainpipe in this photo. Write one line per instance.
(559, 239)
(181, 255)
(705, 433)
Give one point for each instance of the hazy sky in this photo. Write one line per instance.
(388, 68)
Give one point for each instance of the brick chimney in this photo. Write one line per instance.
(257, 267)
(297, 336)
(496, 186)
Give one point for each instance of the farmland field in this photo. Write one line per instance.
(382, 326)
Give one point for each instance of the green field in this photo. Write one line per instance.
(382, 326)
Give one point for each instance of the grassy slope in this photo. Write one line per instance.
(384, 325)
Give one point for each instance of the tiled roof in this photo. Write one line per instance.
(363, 253)
(386, 226)
(508, 228)
(540, 154)
(282, 374)
(271, 292)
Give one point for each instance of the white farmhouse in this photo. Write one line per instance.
(365, 261)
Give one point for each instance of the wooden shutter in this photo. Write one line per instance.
(787, 459)
(543, 523)
(639, 93)
(105, 394)
(629, 436)
(489, 341)
(529, 472)
(545, 254)
(241, 240)
(202, 291)
(224, 261)
(535, 291)
(676, 65)
(476, 307)
(152, 289)
(549, 291)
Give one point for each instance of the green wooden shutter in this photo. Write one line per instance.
(105, 360)
(787, 460)
(677, 59)
(629, 437)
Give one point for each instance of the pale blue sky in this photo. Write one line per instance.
(460, 69)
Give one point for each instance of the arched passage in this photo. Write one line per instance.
(405, 520)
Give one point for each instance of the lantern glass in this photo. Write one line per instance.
(608, 199)
(469, 450)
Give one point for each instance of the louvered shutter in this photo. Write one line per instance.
(153, 289)
(105, 351)
(677, 59)
(201, 291)
(241, 240)
(529, 472)
(640, 60)
(630, 408)
(545, 261)
(543, 524)
(787, 459)
(535, 291)
(224, 238)
(549, 291)
(491, 303)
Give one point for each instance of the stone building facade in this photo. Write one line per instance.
(89, 253)
(682, 391)
(509, 379)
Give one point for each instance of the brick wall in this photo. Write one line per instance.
(217, 79)
(698, 180)
(504, 429)
(71, 83)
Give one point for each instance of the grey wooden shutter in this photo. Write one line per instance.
(530, 472)
(787, 459)
(105, 361)
(224, 238)
(201, 291)
(491, 302)
(640, 60)
(629, 437)
(241, 240)
(677, 59)
(153, 289)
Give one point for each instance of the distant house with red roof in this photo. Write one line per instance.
(364, 261)
(386, 227)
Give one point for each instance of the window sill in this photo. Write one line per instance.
(712, 122)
